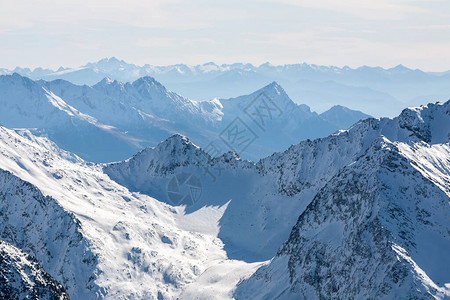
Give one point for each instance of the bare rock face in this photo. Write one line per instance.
(22, 277)
(39, 226)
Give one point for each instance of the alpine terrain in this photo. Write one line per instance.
(362, 213)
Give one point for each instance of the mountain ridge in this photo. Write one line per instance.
(339, 230)
(127, 117)
(374, 90)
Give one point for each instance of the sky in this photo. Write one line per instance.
(50, 33)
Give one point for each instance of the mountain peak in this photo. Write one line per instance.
(16, 77)
(106, 81)
(266, 65)
(400, 68)
(274, 88)
(177, 146)
(148, 80)
(427, 122)
(175, 151)
(345, 110)
(178, 139)
(229, 156)
(278, 95)
(111, 59)
(148, 85)
(109, 64)
(343, 117)
(338, 108)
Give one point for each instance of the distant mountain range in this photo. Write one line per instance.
(374, 90)
(111, 120)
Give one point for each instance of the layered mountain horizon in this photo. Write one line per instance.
(112, 120)
(128, 190)
(374, 90)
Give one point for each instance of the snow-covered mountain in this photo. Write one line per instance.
(372, 229)
(123, 245)
(377, 230)
(21, 277)
(377, 91)
(29, 104)
(373, 200)
(389, 160)
(111, 120)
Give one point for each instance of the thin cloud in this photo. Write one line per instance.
(365, 9)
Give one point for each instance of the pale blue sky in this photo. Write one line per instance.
(52, 33)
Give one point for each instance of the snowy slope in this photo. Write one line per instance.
(245, 197)
(139, 247)
(355, 174)
(21, 277)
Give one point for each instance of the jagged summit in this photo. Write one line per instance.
(229, 156)
(338, 107)
(400, 68)
(177, 141)
(427, 122)
(163, 159)
(108, 83)
(171, 147)
(149, 80)
(274, 87)
(339, 114)
(108, 62)
(275, 94)
(14, 77)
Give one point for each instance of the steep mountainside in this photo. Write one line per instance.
(21, 277)
(378, 230)
(39, 226)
